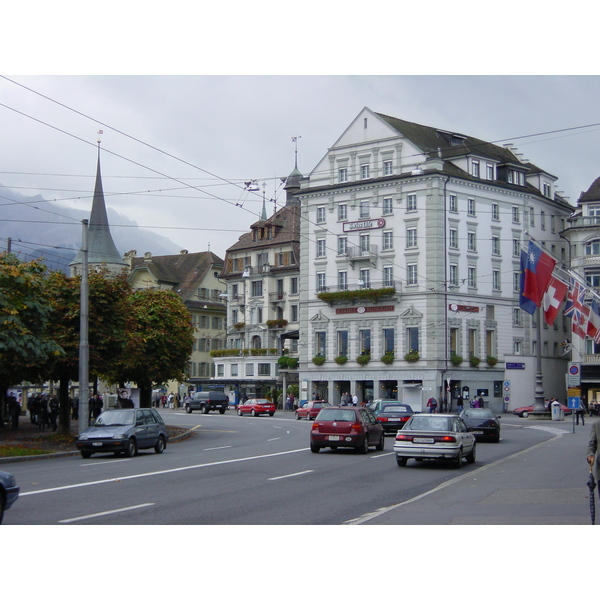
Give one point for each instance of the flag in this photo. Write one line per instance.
(593, 327)
(525, 304)
(553, 298)
(576, 309)
(538, 270)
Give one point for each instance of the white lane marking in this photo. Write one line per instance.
(164, 472)
(384, 454)
(107, 512)
(119, 461)
(385, 509)
(274, 439)
(290, 475)
(217, 448)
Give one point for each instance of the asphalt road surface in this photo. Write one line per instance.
(234, 471)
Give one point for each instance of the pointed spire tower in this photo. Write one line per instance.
(101, 247)
(292, 184)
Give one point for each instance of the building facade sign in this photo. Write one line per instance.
(368, 224)
(364, 309)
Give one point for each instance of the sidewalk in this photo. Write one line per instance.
(542, 485)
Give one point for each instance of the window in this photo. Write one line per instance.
(411, 237)
(342, 245)
(495, 212)
(592, 248)
(365, 276)
(411, 274)
(472, 277)
(516, 248)
(364, 341)
(387, 167)
(472, 241)
(320, 214)
(342, 212)
(294, 313)
(388, 276)
(453, 341)
(342, 280)
(364, 209)
(388, 339)
(471, 207)
(342, 343)
(320, 343)
(452, 203)
(593, 279)
(489, 171)
(249, 369)
(343, 175)
(365, 244)
(543, 220)
(495, 245)
(472, 334)
(453, 238)
(552, 223)
(388, 240)
(220, 370)
(517, 317)
(516, 177)
(531, 217)
(546, 190)
(321, 249)
(321, 287)
(515, 214)
(234, 316)
(475, 168)
(516, 348)
(234, 370)
(388, 206)
(516, 281)
(364, 171)
(411, 202)
(256, 288)
(496, 280)
(294, 285)
(412, 338)
(453, 276)
(264, 369)
(490, 343)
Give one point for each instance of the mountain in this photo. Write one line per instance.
(41, 228)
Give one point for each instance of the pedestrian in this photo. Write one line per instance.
(432, 405)
(459, 404)
(42, 413)
(53, 412)
(355, 400)
(14, 411)
(592, 449)
(580, 412)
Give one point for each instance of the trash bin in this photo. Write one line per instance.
(557, 413)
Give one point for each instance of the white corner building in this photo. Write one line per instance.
(409, 263)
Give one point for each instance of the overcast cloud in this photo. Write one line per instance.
(227, 130)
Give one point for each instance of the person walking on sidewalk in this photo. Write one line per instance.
(592, 449)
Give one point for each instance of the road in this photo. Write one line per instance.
(236, 471)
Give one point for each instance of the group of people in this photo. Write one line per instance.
(170, 400)
(346, 399)
(43, 411)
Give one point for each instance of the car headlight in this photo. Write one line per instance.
(119, 436)
(83, 437)
(12, 482)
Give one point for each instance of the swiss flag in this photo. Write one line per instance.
(553, 298)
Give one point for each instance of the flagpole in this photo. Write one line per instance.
(539, 380)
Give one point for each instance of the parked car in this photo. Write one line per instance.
(393, 416)
(124, 431)
(482, 422)
(311, 409)
(346, 426)
(377, 405)
(436, 437)
(207, 401)
(256, 407)
(524, 411)
(9, 492)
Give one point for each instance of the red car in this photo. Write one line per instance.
(311, 409)
(525, 410)
(257, 407)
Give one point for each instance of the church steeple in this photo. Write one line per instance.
(101, 247)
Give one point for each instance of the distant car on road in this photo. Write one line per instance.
(207, 401)
(436, 437)
(393, 416)
(256, 407)
(524, 411)
(311, 409)
(378, 404)
(346, 426)
(124, 431)
(9, 492)
(482, 422)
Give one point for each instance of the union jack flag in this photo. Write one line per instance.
(576, 309)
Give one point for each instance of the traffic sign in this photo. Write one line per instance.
(574, 374)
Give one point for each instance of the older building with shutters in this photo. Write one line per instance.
(409, 267)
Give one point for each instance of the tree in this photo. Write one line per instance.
(26, 343)
(158, 343)
(106, 330)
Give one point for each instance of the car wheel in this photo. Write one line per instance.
(457, 462)
(401, 461)
(160, 445)
(524, 414)
(314, 448)
(297, 416)
(271, 414)
(131, 448)
(253, 413)
(240, 412)
(222, 411)
(381, 444)
(364, 448)
(85, 454)
(205, 410)
(188, 409)
(472, 454)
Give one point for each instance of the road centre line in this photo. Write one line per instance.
(108, 512)
(105, 462)
(164, 472)
(217, 448)
(380, 455)
(470, 474)
(274, 439)
(290, 475)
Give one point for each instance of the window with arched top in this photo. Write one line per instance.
(592, 248)
(256, 341)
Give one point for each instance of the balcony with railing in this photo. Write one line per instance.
(358, 253)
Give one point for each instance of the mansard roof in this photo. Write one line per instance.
(592, 194)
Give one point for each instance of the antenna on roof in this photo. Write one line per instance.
(295, 140)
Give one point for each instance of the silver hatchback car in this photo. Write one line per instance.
(124, 431)
(436, 437)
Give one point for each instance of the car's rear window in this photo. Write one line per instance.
(425, 423)
(332, 414)
(391, 408)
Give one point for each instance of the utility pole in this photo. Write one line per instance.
(84, 349)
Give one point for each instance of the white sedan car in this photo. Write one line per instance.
(436, 437)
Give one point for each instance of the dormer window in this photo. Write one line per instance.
(516, 177)
(475, 168)
(546, 189)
